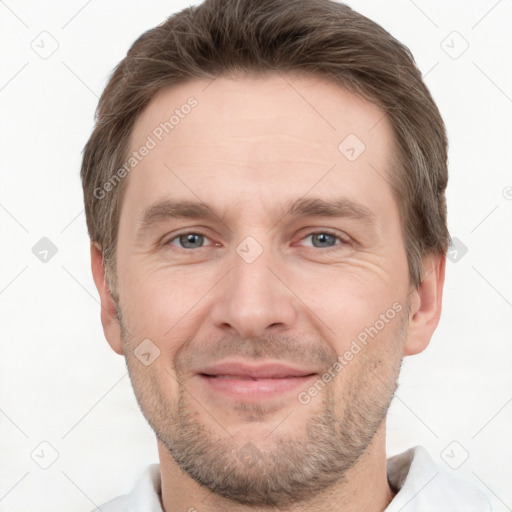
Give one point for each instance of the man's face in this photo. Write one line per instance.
(250, 307)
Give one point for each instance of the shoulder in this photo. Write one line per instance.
(145, 494)
(422, 485)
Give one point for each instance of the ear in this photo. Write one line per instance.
(109, 320)
(426, 301)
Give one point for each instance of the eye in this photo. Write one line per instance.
(324, 240)
(196, 240)
(190, 240)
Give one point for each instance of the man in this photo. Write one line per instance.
(264, 192)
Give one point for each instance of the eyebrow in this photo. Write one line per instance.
(302, 207)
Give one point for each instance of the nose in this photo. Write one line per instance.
(254, 297)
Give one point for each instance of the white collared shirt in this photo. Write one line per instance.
(421, 486)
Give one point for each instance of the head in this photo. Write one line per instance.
(265, 184)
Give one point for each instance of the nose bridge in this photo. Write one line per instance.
(251, 273)
(253, 298)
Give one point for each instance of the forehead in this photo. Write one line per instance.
(241, 137)
(261, 105)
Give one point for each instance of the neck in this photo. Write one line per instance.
(364, 487)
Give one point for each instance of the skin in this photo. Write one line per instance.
(252, 144)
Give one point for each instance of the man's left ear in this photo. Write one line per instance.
(426, 301)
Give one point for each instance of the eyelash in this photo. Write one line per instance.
(322, 232)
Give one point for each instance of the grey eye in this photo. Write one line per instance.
(323, 240)
(191, 240)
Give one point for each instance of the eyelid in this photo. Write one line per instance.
(343, 240)
(176, 236)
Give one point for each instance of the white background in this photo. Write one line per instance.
(59, 381)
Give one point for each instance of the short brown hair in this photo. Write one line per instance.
(317, 37)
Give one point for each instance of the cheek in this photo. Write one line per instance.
(161, 304)
(347, 300)
(370, 357)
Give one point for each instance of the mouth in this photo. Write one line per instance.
(249, 382)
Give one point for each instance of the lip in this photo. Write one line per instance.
(269, 370)
(240, 380)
